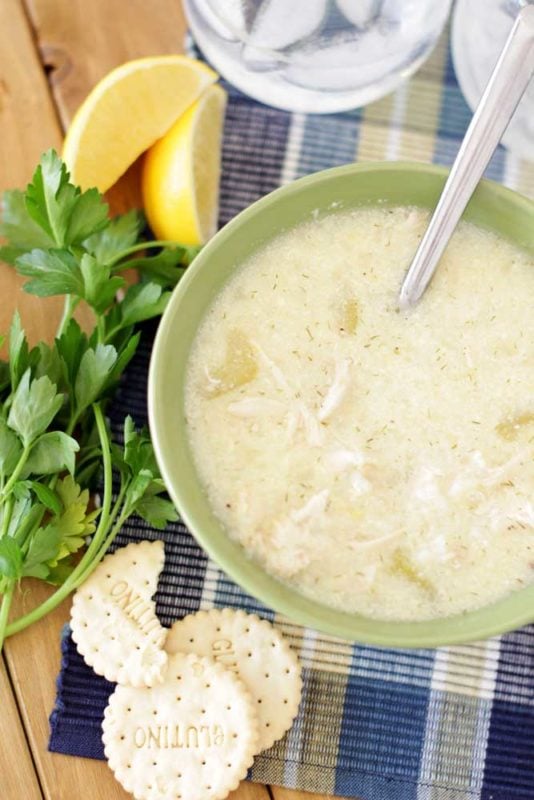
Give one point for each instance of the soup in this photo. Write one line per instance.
(378, 461)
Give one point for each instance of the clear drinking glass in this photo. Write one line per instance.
(479, 31)
(316, 56)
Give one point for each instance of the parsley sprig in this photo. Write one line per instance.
(55, 442)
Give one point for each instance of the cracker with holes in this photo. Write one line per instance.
(113, 617)
(254, 650)
(192, 737)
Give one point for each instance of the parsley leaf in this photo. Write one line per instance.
(144, 484)
(53, 272)
(71, 346)
(138, 451)
(24, 515)
(121, 234)
(47, 496)
(59, 208)
(89, 214)
(75, 523)
(93, 374)
(19, 228)
(141, 301)
(10, 558)
(5, 377)
(48, 363)
(35, 404)
(126, 353)
(44, 547)
(20, 356)
(157, 511)
(59, 573)
(50, 197)
(10, 449)
(99, 287)
(52, 452)
(165, 268)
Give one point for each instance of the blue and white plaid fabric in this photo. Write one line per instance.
(449, 724)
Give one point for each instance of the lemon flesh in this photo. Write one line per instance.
(127, 111)
(181, 173)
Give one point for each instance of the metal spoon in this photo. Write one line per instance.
(510, 78)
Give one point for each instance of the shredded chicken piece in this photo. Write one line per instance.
(274, 369)
(287, 553)
(359, 483)
(435, 550)
(341, 460)
(292, 425)
(368, 543)
(315, 506)
(496, 474)
(313, 431)
(426, 488)
(468, 480)
(337, 391)
(299, 413)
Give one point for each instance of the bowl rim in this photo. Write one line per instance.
(409, 635)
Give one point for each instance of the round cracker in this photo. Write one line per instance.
(113, 618)
(192, 737)
(254, 650)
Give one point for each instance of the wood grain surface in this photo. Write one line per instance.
(29, 124)
(22, 781)
(52, 52)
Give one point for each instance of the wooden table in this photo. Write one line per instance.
(51, 53)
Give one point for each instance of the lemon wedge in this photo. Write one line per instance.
(180, 179)
(126, 112)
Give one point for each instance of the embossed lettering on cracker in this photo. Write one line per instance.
(254, 650)
(192, 737)
(113, 617)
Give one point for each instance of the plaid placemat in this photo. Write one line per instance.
(379, 724)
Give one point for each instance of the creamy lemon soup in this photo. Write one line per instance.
(379, 461)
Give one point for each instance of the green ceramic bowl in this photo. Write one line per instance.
(492, 207)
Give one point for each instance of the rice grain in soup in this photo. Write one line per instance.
(379, 461)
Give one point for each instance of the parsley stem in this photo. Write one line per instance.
(4, 610)
(190, 250)
(8, 511)
(104, 548)
(89, 560)
(69, 306)
(117, 504)
(16, 473)
(101, 329)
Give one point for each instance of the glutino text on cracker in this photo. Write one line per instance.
(223, 651)
(179, 736)
(134, 606)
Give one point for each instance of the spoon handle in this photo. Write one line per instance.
(506, 86)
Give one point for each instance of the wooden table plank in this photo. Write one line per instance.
(279, 793)
(62, 777)
(252, 791)
(29, 125)
(22, 781)
(79, 42)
